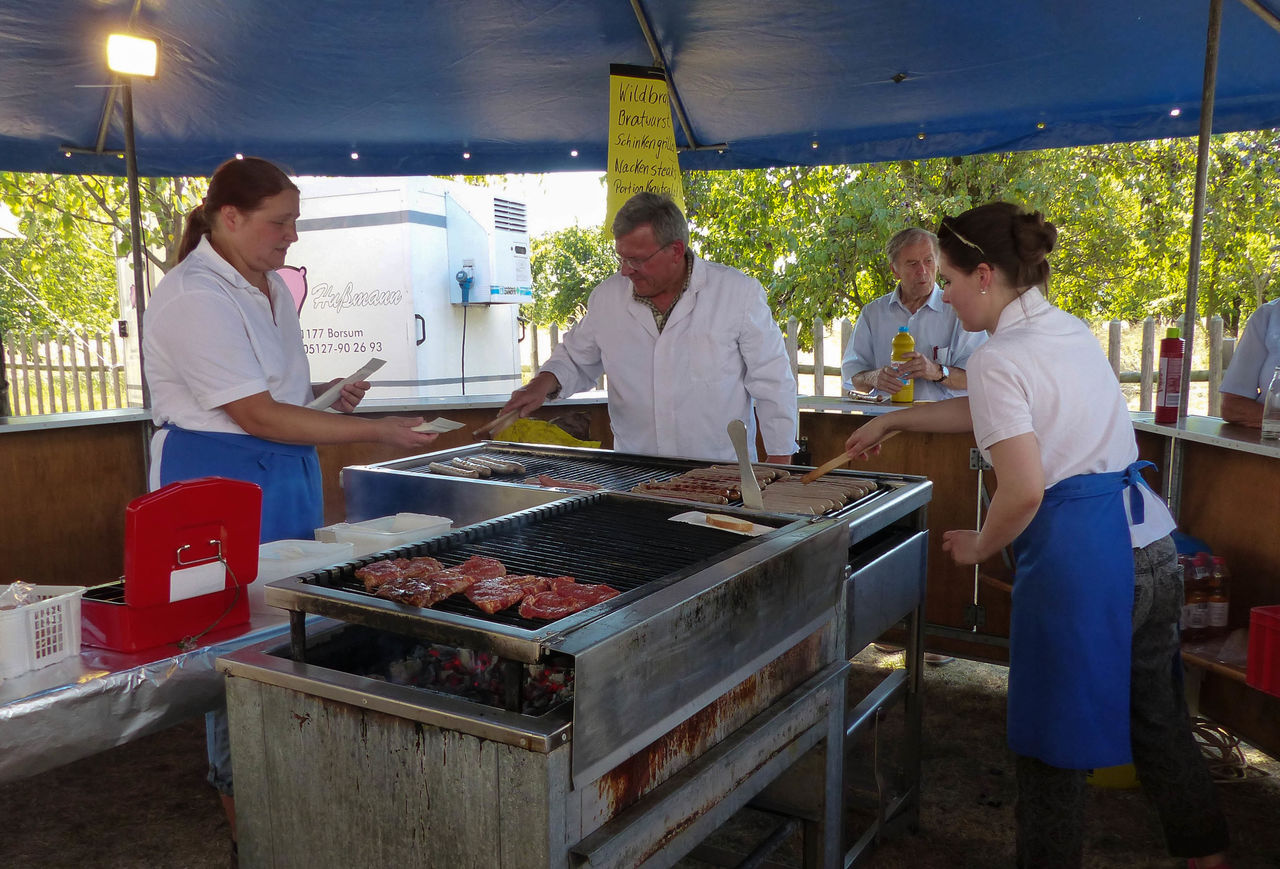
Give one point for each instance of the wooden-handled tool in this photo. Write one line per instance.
(839, 460)
(503, 420)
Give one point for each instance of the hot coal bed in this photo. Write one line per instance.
(621, 735)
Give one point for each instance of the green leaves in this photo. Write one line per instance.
(567, 265)
(64, 270)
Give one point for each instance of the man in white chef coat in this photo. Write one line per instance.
(943, 346)
(688, 345)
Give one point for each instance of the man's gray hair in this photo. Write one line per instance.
(659, 211)
(905, 237)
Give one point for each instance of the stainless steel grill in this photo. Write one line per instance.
(722, 660)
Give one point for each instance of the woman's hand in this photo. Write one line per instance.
(962, 546)
(351, 395)
(865, 442)
(397, 431)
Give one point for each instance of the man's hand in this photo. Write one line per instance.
(918, 366)
(533, 394)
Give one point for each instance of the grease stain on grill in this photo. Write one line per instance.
(626, 783)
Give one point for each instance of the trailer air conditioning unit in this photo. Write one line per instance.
(489, 246)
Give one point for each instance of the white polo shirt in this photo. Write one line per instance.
(1043, 372)
(209, 337)
(935, 328)
(1257, 354)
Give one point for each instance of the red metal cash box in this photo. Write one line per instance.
(187, 548)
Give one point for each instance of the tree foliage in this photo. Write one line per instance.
(566, 267)
(75, 227)
(815, 236)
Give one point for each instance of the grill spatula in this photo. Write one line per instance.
(750, 487)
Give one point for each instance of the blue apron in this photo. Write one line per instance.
(288, 474)
(1071, 632)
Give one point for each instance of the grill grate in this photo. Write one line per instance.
(614, 476)
(610, 474)
(617, 540)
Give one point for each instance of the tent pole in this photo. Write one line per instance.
(1202, 180)
(135, 225)
(661, 63)
(1263, 12)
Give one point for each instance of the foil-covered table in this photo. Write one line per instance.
(101, 699)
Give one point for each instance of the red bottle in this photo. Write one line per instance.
(1171, 351)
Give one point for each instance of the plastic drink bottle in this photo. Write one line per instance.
(1219, 598)
(1188, 583)
(1198, 598)
(903, 344)
(1270, 409)
(1170, 382)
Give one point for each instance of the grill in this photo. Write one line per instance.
(616, 472)
(719, 665)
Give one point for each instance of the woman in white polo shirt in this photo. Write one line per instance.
(229, 379)
(1094, 676)
(225, 364)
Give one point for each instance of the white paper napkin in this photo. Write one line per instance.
(697, 517)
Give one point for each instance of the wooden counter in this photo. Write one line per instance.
(1226, 491)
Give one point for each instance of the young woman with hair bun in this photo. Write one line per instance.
(1094, 672)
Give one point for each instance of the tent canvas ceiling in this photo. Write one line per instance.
(518, 84)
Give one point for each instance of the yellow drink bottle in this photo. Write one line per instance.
(903, 344)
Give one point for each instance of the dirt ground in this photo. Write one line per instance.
(145, 804)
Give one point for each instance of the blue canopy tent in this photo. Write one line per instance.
(412, 85)
(493, 86)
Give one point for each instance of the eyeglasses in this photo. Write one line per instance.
(633, 263)
(943, 225)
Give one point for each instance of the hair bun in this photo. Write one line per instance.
(1033, 237)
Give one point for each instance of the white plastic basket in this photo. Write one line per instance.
(41, 634)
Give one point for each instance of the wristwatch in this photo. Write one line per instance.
(946, 372)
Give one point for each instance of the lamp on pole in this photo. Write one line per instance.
(133, 57)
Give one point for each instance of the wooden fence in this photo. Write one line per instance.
(50, 373)
(1138, 382)
(71, 372)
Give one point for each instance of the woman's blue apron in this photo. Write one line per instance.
(1072, 624)
(288, 474)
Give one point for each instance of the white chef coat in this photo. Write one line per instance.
(673, 393)
(1257, 355)
(1043, 372)
(935, 328)
(210, 337)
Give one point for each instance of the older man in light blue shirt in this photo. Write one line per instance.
(943, 346)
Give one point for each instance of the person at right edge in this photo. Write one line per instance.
(1244, 386)
(1094, 666)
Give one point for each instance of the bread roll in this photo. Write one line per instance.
(729, 523)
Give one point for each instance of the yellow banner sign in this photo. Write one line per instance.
(642, 144)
